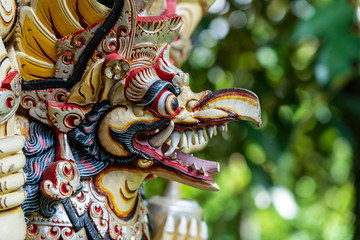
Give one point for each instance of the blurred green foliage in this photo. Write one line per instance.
(292, 177)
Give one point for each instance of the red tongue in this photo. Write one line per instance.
(210, 167)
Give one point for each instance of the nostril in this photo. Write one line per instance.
(192, 105)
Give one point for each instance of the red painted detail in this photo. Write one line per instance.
(51, 174)
(65, 188)
(170, 7)
(67, 57)
(150, 176)
(87, 165)
(154, 106)
(33, 229)
(158, 155)
(166, 76)
(132, 74)
(150, 19)
(118, 230)
(68, 233)
(113, 56)
(10, 102)
(87, 129)
(81, 196)
(42, 142)
(37, 169)
(53, 231)
(32, 149)
(68, 171)
(6, 83)
(97, 209)
(47, 160)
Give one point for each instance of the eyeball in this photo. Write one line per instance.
(166, 104)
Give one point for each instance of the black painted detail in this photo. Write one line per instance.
(48, 206)
(40, 152)
(107, 3)
(88, 166)
(83, 221)
(174, 104)
(125, 138)
(80, 66)
(155, 90)
(84, 138)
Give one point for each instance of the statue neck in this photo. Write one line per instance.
(120, 185)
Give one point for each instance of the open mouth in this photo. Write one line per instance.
(166, 146)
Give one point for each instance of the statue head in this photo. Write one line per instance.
(117, 92)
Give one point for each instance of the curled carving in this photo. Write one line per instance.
(61, 180)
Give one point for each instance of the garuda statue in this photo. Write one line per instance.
(92, 104)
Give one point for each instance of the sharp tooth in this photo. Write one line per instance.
(181, 143)
(211, 131)
(199, 134)
(193, 138)
(193, 166)
(215, 131)
(162, 136)
(205, 135)
(175, 138)
(202, 170)
(226, 127)
(221, 128)
(173, 156)
(188, 134)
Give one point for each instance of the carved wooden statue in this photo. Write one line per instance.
(100, 107)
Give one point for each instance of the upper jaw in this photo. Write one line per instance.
(166, 150)
(209, 112)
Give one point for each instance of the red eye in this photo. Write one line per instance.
(166, 104)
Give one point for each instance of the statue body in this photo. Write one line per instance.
(102, 107)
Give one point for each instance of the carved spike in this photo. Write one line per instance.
(205, 135)
(193, 166)
(202, 170)
(181, 143)
(211, 131)
(173, 156)
(188, 134)
(199, 134)
(215, 131)
(221, 128)
(193, 141)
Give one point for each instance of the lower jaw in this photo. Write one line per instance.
(176, 170)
